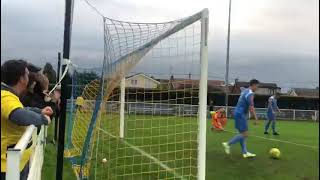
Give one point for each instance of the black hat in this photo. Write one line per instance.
(33, 68)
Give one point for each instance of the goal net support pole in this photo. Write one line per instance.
(122, 105)
(203, 95)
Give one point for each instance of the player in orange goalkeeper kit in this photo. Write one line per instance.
(219, 120)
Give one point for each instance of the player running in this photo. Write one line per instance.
(244, 105)
(271, 114)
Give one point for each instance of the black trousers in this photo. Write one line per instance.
(23, 174)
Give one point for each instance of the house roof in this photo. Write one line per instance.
(306, 92)
(180, 83)
(184, 83)
(236, 88)
(262, 85)
(214, 83)
(216, 86)
(142, 74)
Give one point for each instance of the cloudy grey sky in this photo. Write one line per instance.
(271, 40)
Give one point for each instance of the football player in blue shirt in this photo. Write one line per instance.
(244, 105)
(271, 111)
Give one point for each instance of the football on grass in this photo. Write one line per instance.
(274, 153)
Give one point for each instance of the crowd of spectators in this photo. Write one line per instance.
(25, 100)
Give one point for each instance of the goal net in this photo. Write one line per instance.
(143, 114)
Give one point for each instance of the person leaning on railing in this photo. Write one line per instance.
(14, 116)
(36, 95)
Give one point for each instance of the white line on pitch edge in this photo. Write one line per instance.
(147, 155)
(271, 139)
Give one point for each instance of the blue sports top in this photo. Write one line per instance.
(272, 104)
(245, 101)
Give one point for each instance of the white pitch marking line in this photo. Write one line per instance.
(147, 155)
(271, 139)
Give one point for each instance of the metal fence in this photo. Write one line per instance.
(290, 114)
(14, 154)
(192, 110)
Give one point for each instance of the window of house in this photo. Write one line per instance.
(134, 82)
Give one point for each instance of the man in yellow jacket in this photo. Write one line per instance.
(14, 117)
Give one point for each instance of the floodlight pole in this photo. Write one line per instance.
(227, 62)
(64, 95)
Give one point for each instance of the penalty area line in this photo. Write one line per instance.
(164, 166)
(282, 141)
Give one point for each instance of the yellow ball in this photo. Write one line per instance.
(104, 160)
(274, 153)
(79, 101)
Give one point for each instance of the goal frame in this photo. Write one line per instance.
(202, 109)
(116, 67)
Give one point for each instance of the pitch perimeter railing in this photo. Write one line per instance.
(36, 159)
(192, 110)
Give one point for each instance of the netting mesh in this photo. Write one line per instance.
(161, 64)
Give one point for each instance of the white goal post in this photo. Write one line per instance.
(122, 105)
(202, 109)
(203, 95)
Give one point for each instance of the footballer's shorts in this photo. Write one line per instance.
(241, 122)
(271, 116)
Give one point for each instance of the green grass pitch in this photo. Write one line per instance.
(298, 143)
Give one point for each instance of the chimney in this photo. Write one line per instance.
(189, 75)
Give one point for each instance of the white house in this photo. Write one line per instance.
(141, 80)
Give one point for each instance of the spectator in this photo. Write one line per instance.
(37, 94)
(33, 69)
(14, 116)
(57, 96)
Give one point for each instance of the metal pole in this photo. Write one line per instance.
(64, 95)
(227, 61)
(59, 66)
(203, 92)
(122, 105)
(56, 123)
